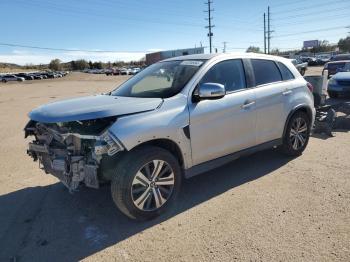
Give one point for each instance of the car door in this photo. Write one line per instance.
(270, 100)
(223, 126)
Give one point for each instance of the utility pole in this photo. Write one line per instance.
(264, 33)
(210, 26)
(268, 30)
(224, 49)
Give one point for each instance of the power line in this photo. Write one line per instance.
(210, 26)
(333, 17)
(289, 3)
(68, 50)
(311, 7)
(311, 31)
(311, 13)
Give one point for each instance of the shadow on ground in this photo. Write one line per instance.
(49, 224)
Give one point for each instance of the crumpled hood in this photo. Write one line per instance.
(342, 76)
(92, 107)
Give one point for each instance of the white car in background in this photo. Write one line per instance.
(125, 71)
(134, 71)
(7, 78)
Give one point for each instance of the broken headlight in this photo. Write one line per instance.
(108, 144)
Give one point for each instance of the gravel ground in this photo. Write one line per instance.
(264, 207)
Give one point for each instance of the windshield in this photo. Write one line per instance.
(160, 80)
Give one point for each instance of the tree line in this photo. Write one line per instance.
(81, 64)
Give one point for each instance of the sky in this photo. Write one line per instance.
(115, 30)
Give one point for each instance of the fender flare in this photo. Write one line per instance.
(292, 112)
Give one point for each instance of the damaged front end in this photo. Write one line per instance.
(72, 151)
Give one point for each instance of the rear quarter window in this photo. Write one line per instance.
(265, 71)
(285, 72)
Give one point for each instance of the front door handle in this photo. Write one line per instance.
(287, 92)
(247, 104)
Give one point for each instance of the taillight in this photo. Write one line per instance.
(310, 86)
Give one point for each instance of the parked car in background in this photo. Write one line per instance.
(346, 68)
(335, 66)
(322, 59)
(125, 71)
(7, 78)
(200, 112)
(25, 76)
(341, 57)
(300, 65)
(311, 61)
(134, 71)
(109, 72)
(37, 76)
(339, 84)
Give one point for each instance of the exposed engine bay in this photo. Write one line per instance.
(72, 151)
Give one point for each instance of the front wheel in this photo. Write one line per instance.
(146, 183)
(297, 134)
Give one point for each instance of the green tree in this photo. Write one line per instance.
(81, 64)
(253, 49)
(344, 44)
(55, 65)
(97, 65)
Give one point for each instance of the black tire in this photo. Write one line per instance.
(123, 182)
(302, 71)
(288, 147)
(4, 80)
(332, 94)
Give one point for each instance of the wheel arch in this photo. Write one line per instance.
(168, 145)
(301, 108)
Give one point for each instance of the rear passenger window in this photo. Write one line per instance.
(286, 73)
(229, 73)
(265, 71)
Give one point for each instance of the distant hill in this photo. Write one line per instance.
(9, 67)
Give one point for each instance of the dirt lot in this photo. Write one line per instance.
(265, 207)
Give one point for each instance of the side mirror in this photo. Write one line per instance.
(210, 91)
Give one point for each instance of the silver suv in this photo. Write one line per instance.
(173, 120)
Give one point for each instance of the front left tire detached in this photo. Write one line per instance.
(146, 182)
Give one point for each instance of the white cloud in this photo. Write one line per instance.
(25, 57)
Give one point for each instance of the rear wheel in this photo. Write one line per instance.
(146, 183)
(302, 71)
(297, 134)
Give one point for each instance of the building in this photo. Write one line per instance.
(158, 56)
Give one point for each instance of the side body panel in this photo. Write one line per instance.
(166, 122)
(220, 127)
(271, 114)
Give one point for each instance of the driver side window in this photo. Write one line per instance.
(229, 73)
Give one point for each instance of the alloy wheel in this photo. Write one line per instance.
(152, 185)
(298, 133)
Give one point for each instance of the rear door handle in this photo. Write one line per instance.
(247, 104)
(287, 92)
